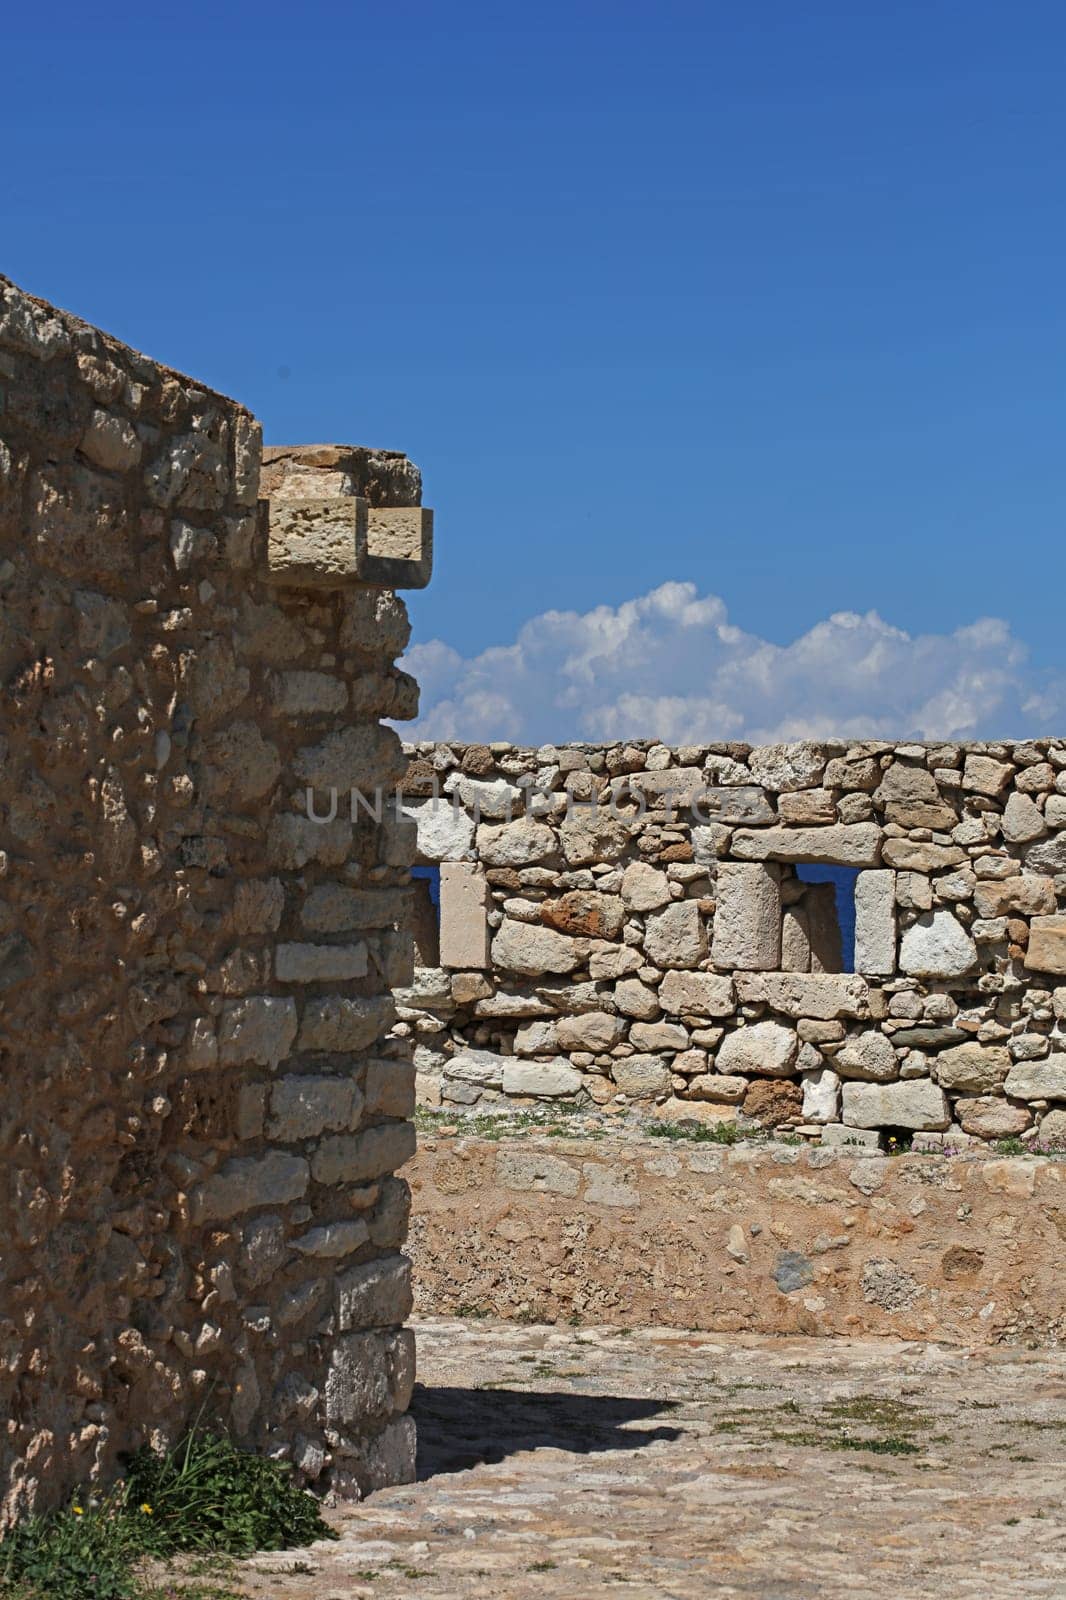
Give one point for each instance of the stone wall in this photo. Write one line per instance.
(202, 1112)
(767, 1240)
(630, 924)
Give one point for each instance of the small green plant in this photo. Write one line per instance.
(86, 1551)
(696, 1132)
(206, 1494)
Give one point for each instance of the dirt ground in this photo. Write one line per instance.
(577, 1462)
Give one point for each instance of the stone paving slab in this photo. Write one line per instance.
(661, 1463)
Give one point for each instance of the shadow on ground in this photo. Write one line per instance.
(460, 1428)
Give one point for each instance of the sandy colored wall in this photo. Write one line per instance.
(628, 923)
(202, 1115)
(770, 1239)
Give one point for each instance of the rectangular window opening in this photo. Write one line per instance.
(426, 919)
(818, 918)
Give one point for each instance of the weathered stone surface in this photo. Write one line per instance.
(1022, 820)
(464, 903)
(305, 1105)
(376, 1294)
(787, 766)
(988, 1118)
(770, 1102)
(914, 1103)
(1023, 895)
(496, 800)
(445, 832)
(635, 999)
(821, 1096)
(984, 775)
(1046, 951)
(867, 1055)
(937, 946)
(875, 922)
(534, 1170)
(529, 951)
(765, 1048)
(547, 1079)
(747, 918)
(319, 963)
(823, 996)
(641, 1077)
(705, 994)
(590, 1030)
(360, 1157)
(261, 1029)
(1038, 1080)
(644, 887)
(857, 845)
(515, 844)
(652, 1036)
(675, 937)
(246, 1183)
(585, 913)
(335, 1022)
(975, 1069)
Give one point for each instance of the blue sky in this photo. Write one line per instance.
(766, 299)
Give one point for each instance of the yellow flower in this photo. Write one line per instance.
(78, 1512)
(146, 1508)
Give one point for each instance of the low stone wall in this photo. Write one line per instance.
(631, 923)
(759, 1239)
(202, 1112)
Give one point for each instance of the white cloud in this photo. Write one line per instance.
(670, 665)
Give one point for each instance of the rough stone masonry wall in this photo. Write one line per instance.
(602, 940)
(201, 1117)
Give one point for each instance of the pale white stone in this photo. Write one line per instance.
(535, 1039)
(248, 1183)
(635, 999)
(821, 996)
(915, 1103)
(464, 906)
(706, 994)
(1038, 1080)
(590, 1030)
(1022, 820)
(445, 833)
(787, 766)
(644, 887)
(747, 917)
(641, 1077)
(496, 799)
(304, 1105)
(547, 1079)
(260, 1029)
(937, 946)
(676, 936)
(867, 1055)
(515, 844)
(649, 1036)
(765, 1048)
(530, 951)
(875, 922)
(483, 1068)
(856, 844)
(821, 1096)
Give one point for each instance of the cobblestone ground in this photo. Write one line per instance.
(576, 1462)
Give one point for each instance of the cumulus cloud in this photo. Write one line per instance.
(670, 665)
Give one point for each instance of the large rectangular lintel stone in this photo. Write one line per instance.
(819, 995)
(855, 844)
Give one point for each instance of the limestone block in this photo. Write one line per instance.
(701, 994)
(856, 844)
(708, 843)
(974, 1068)
(362, 756)
(309, 694)
(667, 1036)
(547, 1079)
(319, 963)
(807, 807)
(304, 1105)
(598, 1031)
(910, 856)
(496, 799)
(821, 1096)
(821, 996)
(644, 887)
(445, 832)
(535, 1039)
(795, 939)
(677, 787)
(483, 1068)
(399, 547)
(390, 1088)
(676, 936)
(1025, 895)
(916, 1103)
(294, 841)
(334, 908)
(635, 999)
(747, 918)
(1047, 945)
(361, 1157)
(1022, 820)
(767, 1049)
(875, 922)
(721, 1087)
(641, 1077)
(937, 946)
(529, 950)
(357, 1382)
(536, 1171)
(259, 1029)
(984, 775)
(376, 1294)
(614, 961)
(340, 1023)
(1048, 856)
(333, 1240)
(464, 906)
(782, 767)
(992, 1118)
(316, 542)
(867, 1056)
(592, 837)
(744, 806)
(515, 844)
(1038, 1080)
(247, 1183)
(585, 913)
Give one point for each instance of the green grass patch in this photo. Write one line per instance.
(204, 1495)
(694, 1132)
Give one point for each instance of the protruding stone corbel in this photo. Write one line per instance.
(340, 536)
